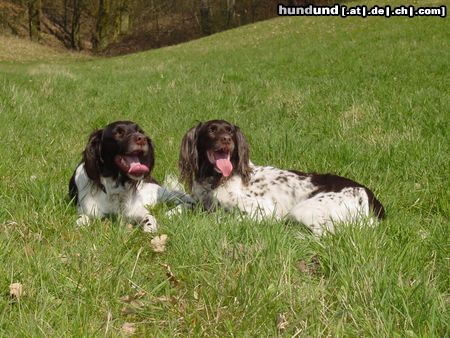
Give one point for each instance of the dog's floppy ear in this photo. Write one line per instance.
(92, 156)
(150, 159)
(243, 166)
(188, 160)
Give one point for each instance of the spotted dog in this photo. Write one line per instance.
(114, 177)
(214, 163)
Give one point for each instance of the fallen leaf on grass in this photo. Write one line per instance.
(310, 268)
(302, 266)
(158, 243)
(129, 329)
(129, 298)
(134, 304)
(16, 290)
(109, 319)
(133, 307)
(282, 323)
(165, 299)
(127, 311)
(64, 259)
(170, 275)
(139, 294)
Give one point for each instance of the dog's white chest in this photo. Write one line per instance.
(117, 201)
(117, 196)
(230, 193)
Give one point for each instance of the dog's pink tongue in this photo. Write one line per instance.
(224, 166)
(136, 167)
(223, 163)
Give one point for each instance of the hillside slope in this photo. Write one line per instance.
(14, 49)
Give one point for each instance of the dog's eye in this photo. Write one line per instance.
(228, 129)
(119, 132)
(212, 129)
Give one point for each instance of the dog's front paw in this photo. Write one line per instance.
(82, 220)
(149, 224)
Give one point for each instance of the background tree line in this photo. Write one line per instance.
(121, 26)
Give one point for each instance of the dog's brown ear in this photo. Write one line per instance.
(92, 156)
(243, 152)
(188, 160)
(150, 159)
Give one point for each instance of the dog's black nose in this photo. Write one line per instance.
(139, 139)
(225, 139)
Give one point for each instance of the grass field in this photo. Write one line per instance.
(365, 98)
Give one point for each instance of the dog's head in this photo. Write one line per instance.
(120, 150)
(215, 148)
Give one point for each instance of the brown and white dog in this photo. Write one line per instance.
(114, 177)
(214, 162)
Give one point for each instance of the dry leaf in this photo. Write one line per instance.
(282, 323)
(135, 305)
(242, 249)
(109, 319)
(315, 263)
(130, 298)
(16, 290)
(170, 275)
(158, 243)
(164, 299)
(310, 268)
(129, 310)
(315, 260)
(126, 299)
(63, 258)
(129, 329)
(129, 227)
(303, 267)
(139, 294)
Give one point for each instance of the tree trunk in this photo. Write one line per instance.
(253, 9)
(34, 19)
(205, 17)
(75, 40)
(230, 12)
(66, 5)
(100, 39)
(124, 17)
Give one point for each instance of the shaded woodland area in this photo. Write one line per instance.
(112, 27)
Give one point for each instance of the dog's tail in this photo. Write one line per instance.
(375, 205)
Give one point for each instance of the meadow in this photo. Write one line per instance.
(364, 98)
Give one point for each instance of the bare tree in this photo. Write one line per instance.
(100, 38)
(124, 16)
(205, 17)
(34, 19)
(66, 5)
(75, 40)
(131, 25)
(230, 12)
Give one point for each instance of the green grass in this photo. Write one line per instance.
(366, 98)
